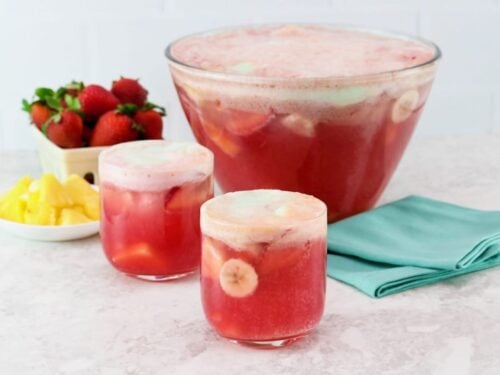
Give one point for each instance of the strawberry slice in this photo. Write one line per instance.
(190, 195)
(277, 259)
(212, 259)
(244, 123)
(139, 259)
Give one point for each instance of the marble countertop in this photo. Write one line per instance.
(64, 310)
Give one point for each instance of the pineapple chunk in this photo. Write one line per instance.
(18, 189)
(78, 189)
(53, 193)
(91, 208)
(48, 202)
(13, 210)
(71, 216)
(83, 194)
(41, 214)
(12, 205)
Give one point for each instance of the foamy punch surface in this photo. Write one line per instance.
(154, 165)
(299, 51)
(274, 217)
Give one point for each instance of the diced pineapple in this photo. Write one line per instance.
(48, 202)
(13, 210)
(92, 208)
(32, 199)
(71, 216)
(53, 193)
(221, 139)
(79, 208)
(78, 189)
(41, 214)
(12, 205)
(83, 194)
(18, 189)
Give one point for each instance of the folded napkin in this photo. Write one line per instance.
(410, 243)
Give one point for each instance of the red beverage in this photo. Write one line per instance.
(151, 195)
(263, 265)
(324, 111)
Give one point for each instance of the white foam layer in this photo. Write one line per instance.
(298, 51)
(154, 165)
(306, 70)
(275, 217)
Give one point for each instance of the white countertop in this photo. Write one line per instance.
(64, 310)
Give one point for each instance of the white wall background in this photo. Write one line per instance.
(51, 42)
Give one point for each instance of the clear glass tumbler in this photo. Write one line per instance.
(263, 269)
(151, 193)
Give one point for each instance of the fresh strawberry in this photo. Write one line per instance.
(130, 91)
(152, 123)
(43, 106)
(95, 100)
(115, 127)
(40, 113)
(64, 129)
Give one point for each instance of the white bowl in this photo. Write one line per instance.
(63, 162)
(50, 232)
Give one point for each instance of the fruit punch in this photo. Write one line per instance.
(321, 110)
(263, 265)
(151, 196)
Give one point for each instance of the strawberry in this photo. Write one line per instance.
(152, 123)
(115, 127)
(64, 129)
(130, 91)
(40, 113)
(95, 100)
(43, 106)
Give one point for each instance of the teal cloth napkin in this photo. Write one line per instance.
(412, 242)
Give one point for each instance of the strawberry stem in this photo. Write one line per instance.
(149, 105)
(75, 85)
(127, 109)
(72, 102)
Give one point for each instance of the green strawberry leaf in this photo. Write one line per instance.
(44, 92)
(61, 91)
(72, 102)
(26, 106)
(53, 103)
(149, 105)
(127, 109)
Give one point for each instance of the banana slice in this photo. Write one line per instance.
(238, 278)
(299, 125)
(404, 106)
